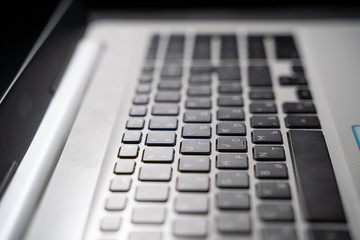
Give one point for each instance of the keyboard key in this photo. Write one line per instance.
(262, 95)
(198, 103)
(165, 110)
(269, 153)
(116, 203)
(193, 183)
(135, 123)
(167, 97)
(279, 234)
(196, 131)
(143, 89)
(163, 123)
(232, 161)
(233, 223)
(201, 69)
(155, 172)
(128, 151)
(285, 48)
(256, 48)
(267, 107)
(259, 76)
(303, 94)
(229, 73)
(132, 137)
(271, 171)
(267, 136)
(141, 100)
(264, 122)
(230, 101)
(315, 234)
(194, 164)
(273, 190)
(199, 91)
(171, 71)
(110, 224)
(231, 129)
(152, 193)
(293, 107)
(233, 201)
(192, 204)
(200, 79)
(145, 235)
(145, 79)
(232, 180)
(230, 88)
(190, 227)
(158, 154)
(192, 147)
(169, 85)
(302, 122)
(234, 114)
(161, 138)
(231, 144)
(197, 117)
(138, 111)
(148, 215)
(276, 212)
(308, 148)
(120, 184)
(124, 166)
(292, 81)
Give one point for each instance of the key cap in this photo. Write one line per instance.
(229, 73)
(143, 89)
(201, 69)
(169, 85)
(268, 107)
(161, 138)
(271, 171)
(315, 234)
(193, 183)
(163, 123)
(135, 123)
(302, 122)
(262, 95)
(128, 151)
(171, 71)
(148, 215)
(132, 137)
(165, 110)
(158, 154)
(199, 91)
(303, 94)
(199, 146)
(190, 227)
(155, 172)
(145, 79)
(234, 114)
(319, 195)
(170, 97)
(231, 129)
(116, 203)
(230, 101)
(276, 212)
(259, 76)
(231, 144)
(141, 100)
(273, 190)
(266, 136)
(233, 223)
(264, 122)
(124, 166)
(293, 107)
(138, 111)
(145, 235)
(120, 184)
(228, 47)
(285, 48)
(191, 204)
(198, 103)
(110, 224)
(292, 81)
(256, 49)
(230, 88)
(194, 164)
(231, 161)
(279, 234)
(196, 131)
(197, 117)
(200, 79)
(269, 153)
(152, 193)
(233, 201)
(232, 180)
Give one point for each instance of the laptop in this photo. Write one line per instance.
(226, 121)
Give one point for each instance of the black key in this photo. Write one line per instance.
(293, 121)
(165, 110)
(228, 48)
(138, 111)
(169, 85)
(273, 190)
(276, 212)
(196, 131)
(199, 91)
(231, 144)
(197, 117)
(230, 88)
(259, 76)
(163, 123)
(229, 73)
(161, 138)
(264, 122)
(292, 81)
(231, 129)
(319, 194)
(262, 95)
(268, 107)
(200, 79)
(234, 114)
(294, 107)
(135, 123)
(201, 69)
(279, 234)
(256, 48)
(285, 48)
(271, 171)
(132, 137)
(230, 101)
(231, 161)
(202, 48)
(269, 153)
(198, 103)
(195, 147)
(328, 235)
(266, 136)
(171, 71)
(303, 94)
(167, 97)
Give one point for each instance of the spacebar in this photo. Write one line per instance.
(318, 191)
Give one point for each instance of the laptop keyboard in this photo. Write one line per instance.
(210, 152)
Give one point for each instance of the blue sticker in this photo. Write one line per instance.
(356, 130)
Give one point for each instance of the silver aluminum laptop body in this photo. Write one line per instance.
(101, 79)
